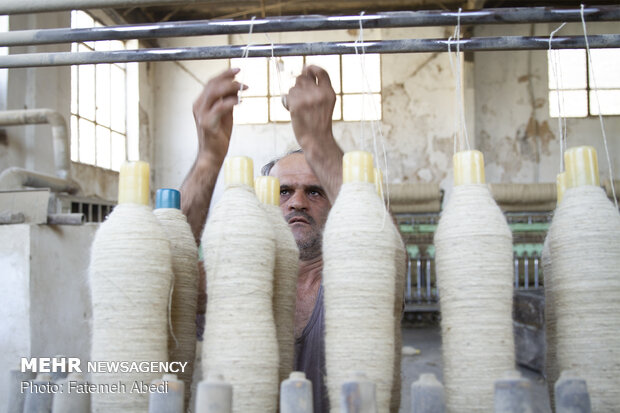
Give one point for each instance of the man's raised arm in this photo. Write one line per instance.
(311, 103)
(213, 113)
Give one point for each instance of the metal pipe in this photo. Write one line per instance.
(60, 135)
(14, 177)
(38, 6)
(306, 23)
(7, 217)
(65, 219)
(301, 49)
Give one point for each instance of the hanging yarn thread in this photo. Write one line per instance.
(182, 337)
(400, 263)
(130, 278)
(474, 277)
(583, 241)
(598, 105)
(240, 334)
(358, 250)
(284, 274)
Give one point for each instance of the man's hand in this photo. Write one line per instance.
(311, 104)
(213, 113)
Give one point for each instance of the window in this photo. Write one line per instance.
(574, 85)
(98, 104)
(356, 99)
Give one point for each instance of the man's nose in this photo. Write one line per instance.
(298, 201)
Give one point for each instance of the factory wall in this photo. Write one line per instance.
(417, 128)
(506, 109)
(513, 127)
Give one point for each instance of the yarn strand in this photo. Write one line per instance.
(598, 104)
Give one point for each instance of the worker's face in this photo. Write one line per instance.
(303, 202)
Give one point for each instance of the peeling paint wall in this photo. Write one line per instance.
(518, 137)
(417, 126)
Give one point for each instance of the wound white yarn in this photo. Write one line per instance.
(474, 276)
(285, 273)
(400, 262)
(240, 334)
(182, 338)
(551, 369)
(358, 280)
(130, 279)
(584, 242)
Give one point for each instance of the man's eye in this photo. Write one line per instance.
(284, 192)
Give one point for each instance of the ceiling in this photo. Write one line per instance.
(244, 9)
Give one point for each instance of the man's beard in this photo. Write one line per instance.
(309, 246)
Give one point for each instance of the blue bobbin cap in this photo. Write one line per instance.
(168, 198)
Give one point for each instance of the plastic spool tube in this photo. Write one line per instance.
(474, 276)
(358, 395)
(571, 394)
(130, 279)
(358, 250)
(284, 274)
(400, 262)
(584, 239)
(214, 395)
(39, 401)
(513, 394)
(181, 346)
(16, 397)
(427, 395)
(168, 396)
(71, 400)
(551, 371)
(240, 334)
(296, 394)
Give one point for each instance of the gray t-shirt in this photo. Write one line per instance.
(310, 354)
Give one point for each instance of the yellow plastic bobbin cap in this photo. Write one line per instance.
(133, 184)
(379, 181)
(560, 185)
(268, 190)
(468, 167)
(581, 166)
(239, 170)
(357, 167)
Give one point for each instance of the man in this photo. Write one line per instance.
(309, 183)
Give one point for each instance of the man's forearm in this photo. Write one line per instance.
(326, 163)
(196, 193)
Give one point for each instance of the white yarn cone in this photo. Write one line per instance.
(130, 278)
(474, 276)
(240, 335)
(401, 275)
(584, 251)
(358, 279)
(551, 369)
(400, 263)
(584, 241)
(284, 274)
(184, 294)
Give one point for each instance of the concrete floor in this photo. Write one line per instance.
(427, 339)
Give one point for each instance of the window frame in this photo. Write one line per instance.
(339, 95)
(76, 118)
(589, 89)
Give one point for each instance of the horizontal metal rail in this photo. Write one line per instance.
(299, 49)
(305, 23)
(38, 6)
